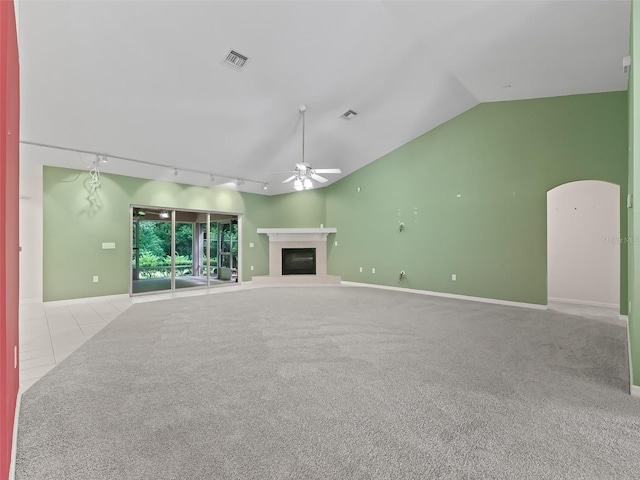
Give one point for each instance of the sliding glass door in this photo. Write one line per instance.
(177, 249)
(151, 251)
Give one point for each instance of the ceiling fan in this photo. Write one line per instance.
(304, 173)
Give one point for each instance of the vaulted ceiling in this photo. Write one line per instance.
(147, 81)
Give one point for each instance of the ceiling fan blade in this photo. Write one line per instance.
(327, 170)
(318, 178)
(289, 179)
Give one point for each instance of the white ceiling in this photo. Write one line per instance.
(146, 80)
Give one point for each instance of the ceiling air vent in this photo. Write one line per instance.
(348, 114)
(236, 60)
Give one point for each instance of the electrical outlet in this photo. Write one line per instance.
(335, 244)
(454, 277)
(251, 245)
(252, 268)
(360, 269)
(95, 279)
(373, 270)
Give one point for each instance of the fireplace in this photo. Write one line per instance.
(298, 261)
(297, 256)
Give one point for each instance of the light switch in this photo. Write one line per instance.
(251, 245)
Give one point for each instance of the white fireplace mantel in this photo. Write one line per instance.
(297, 234)
(280, 238)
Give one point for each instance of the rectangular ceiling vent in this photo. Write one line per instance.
(348, 114)
(236, 60)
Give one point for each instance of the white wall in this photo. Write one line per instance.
(583, 243)
(30, 226)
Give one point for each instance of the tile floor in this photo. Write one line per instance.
(50, 332)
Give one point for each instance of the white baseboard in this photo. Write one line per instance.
(29, 301)
(14, 444)
(584, 302)
(632, 386)
(449, 295)
(75, 301)
(624, 318)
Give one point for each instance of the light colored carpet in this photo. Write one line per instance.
(335, 383)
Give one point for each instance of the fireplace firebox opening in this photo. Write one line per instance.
(298, 261)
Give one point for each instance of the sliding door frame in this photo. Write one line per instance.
(174, 211)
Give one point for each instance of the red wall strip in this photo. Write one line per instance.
(9, 246)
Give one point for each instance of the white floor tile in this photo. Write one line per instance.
(68, 343)
(29, 329)
(35, 337)
(62, 353)
(104, 308)
(37, 362)
(90, 319)
(26, 384)
(35, 372)
(107, 317)
(59, 314)
(90, 330)
(31, 311)
(35, 344)
(43, 352)
(67, 339)
(62, 324)
(121, 305)
(33, 321)
(65, 332)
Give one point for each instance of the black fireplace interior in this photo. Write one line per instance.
(298, 261)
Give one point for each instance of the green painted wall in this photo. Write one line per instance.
(634, 213)
(76, 223)
(300, 209)
(472, 196)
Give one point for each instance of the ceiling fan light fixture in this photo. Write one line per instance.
(307, 184)
(303, 173)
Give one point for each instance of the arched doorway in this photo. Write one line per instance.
(583, 244)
